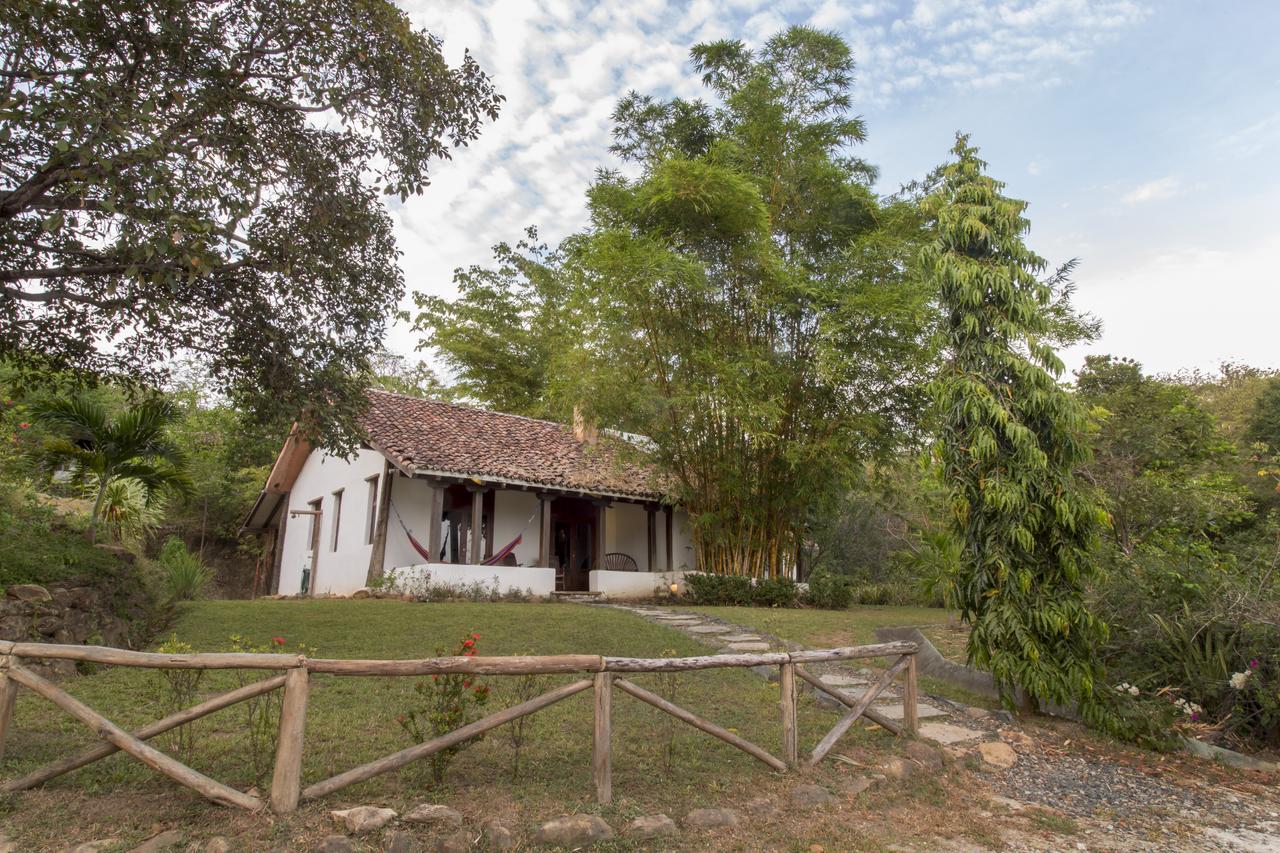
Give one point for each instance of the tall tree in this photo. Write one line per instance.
(1011, 442)
(134, 445)
(205, 176)
(745, 299)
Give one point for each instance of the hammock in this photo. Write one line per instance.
(497, 558)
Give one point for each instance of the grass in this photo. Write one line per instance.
(830, 628)
(38, 545)
(352, 720)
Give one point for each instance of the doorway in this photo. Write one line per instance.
(573, 537)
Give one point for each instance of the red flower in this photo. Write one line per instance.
(466, 682)
(23, 425)
(435, 678)
(279, 641)
(475, 636)
(468, 644)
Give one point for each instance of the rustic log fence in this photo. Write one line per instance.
(286, 782)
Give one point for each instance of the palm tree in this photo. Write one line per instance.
(134, 445)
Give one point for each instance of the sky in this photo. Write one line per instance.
(1144, 135)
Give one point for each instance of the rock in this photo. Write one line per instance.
(335, 844)
(7, 846)
(164, 841)
(497, 835)
(362, 592)
(811, 796)
(749, 646)
(573, 831)
(457, 842)
(711, 818)
(1008, 803)
(897, 768)
(997, 754)
(651, 826)
(767, 672)
(93, 846)
(763, 808)
(31, 592)
(1017, 739)
(975, 713)
(430, 813)
(399, 841)
(854, 786)
(926, 756)
(363, 819)
(217, 844)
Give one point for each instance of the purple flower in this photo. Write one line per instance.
(1253, 664)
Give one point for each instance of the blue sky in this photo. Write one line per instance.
(1145, 136)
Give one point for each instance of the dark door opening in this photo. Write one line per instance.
(573, 527)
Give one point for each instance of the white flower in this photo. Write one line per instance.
(1122, 688)
(1240, 679)
(1133, 691)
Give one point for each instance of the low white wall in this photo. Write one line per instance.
(634, 584)
(539, 582)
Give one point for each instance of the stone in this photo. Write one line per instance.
(497, 835)
(894, 711)
(93, 846)
(164, 841)
(651, 826)
(947, 734)
(763, 808)
(769, 673)
(362, 592)
(749, 647)
(926, 756)
(853, 786)
(711, 819)
(710, 629)
(741, 638)
(811, 796)
(430, 813)
(30, 592)
(1017, 740)
(975, 713)
(363, 819)
(458, 841)
(399, 841)
(335, 844)
(836, 680)
(573, 831)
(1008, 803)
(997, 754)
(897, 768)
(217, 844)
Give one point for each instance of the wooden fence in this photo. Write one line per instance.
(286, 783)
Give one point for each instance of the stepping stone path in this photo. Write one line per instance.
(958, 728)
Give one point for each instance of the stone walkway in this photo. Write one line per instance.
(946, 726)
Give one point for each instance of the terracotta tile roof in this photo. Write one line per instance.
(427, 436)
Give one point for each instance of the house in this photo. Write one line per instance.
(469, 495)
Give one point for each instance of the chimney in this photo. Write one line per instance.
(583, 430)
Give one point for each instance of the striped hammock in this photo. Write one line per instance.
(494, 560)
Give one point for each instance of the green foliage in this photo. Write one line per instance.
(135, 444)
(129, 510)
(1010, 445)
(713, 589)
(446, 702)
(261, 712)
(177, 689)
(189, 199)
(1264, 421)
(775, 592)
(523, 689)
(829, 591)
(185, 575)
(37, 545)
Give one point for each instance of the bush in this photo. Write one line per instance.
(446, 702)
(719, 590)
(829, 591)
(38, 546)
(185, 574)
(775, 592)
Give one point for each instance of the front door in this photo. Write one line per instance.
(573, 527)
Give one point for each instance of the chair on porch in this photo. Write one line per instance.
(619, 562)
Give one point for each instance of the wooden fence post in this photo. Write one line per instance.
(286, 780)
(910, 695)
(787, 683)
(601, 758)
(8, 695)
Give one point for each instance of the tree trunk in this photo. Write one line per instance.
(92, 532)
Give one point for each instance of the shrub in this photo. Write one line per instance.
(446, 702)
(829, 591)
(176, 689)
(775, 592)
(526, 687)
(185, 574)
(729, 590)
(262, 712)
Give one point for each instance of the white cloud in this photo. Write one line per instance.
(1160, 188)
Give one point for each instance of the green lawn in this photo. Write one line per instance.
(831, 628)
(352, 720)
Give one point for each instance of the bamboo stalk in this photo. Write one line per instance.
(286, 779)
(698, 723)
(601, 757)
(870, 713)
(790, 733)
(8, 697)
(837, 731)
(413, 753)
(148, 755)
(94, 753)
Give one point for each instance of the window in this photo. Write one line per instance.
(337, 518)
(371, 513)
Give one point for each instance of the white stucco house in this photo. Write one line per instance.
(466, 495)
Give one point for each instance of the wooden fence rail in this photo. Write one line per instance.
(295, 678)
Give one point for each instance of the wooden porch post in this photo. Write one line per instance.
(435, 511)
(475, 554)
(601, 538)
(544, 531)
(651, 515)
(670, 548)
(378, 553)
